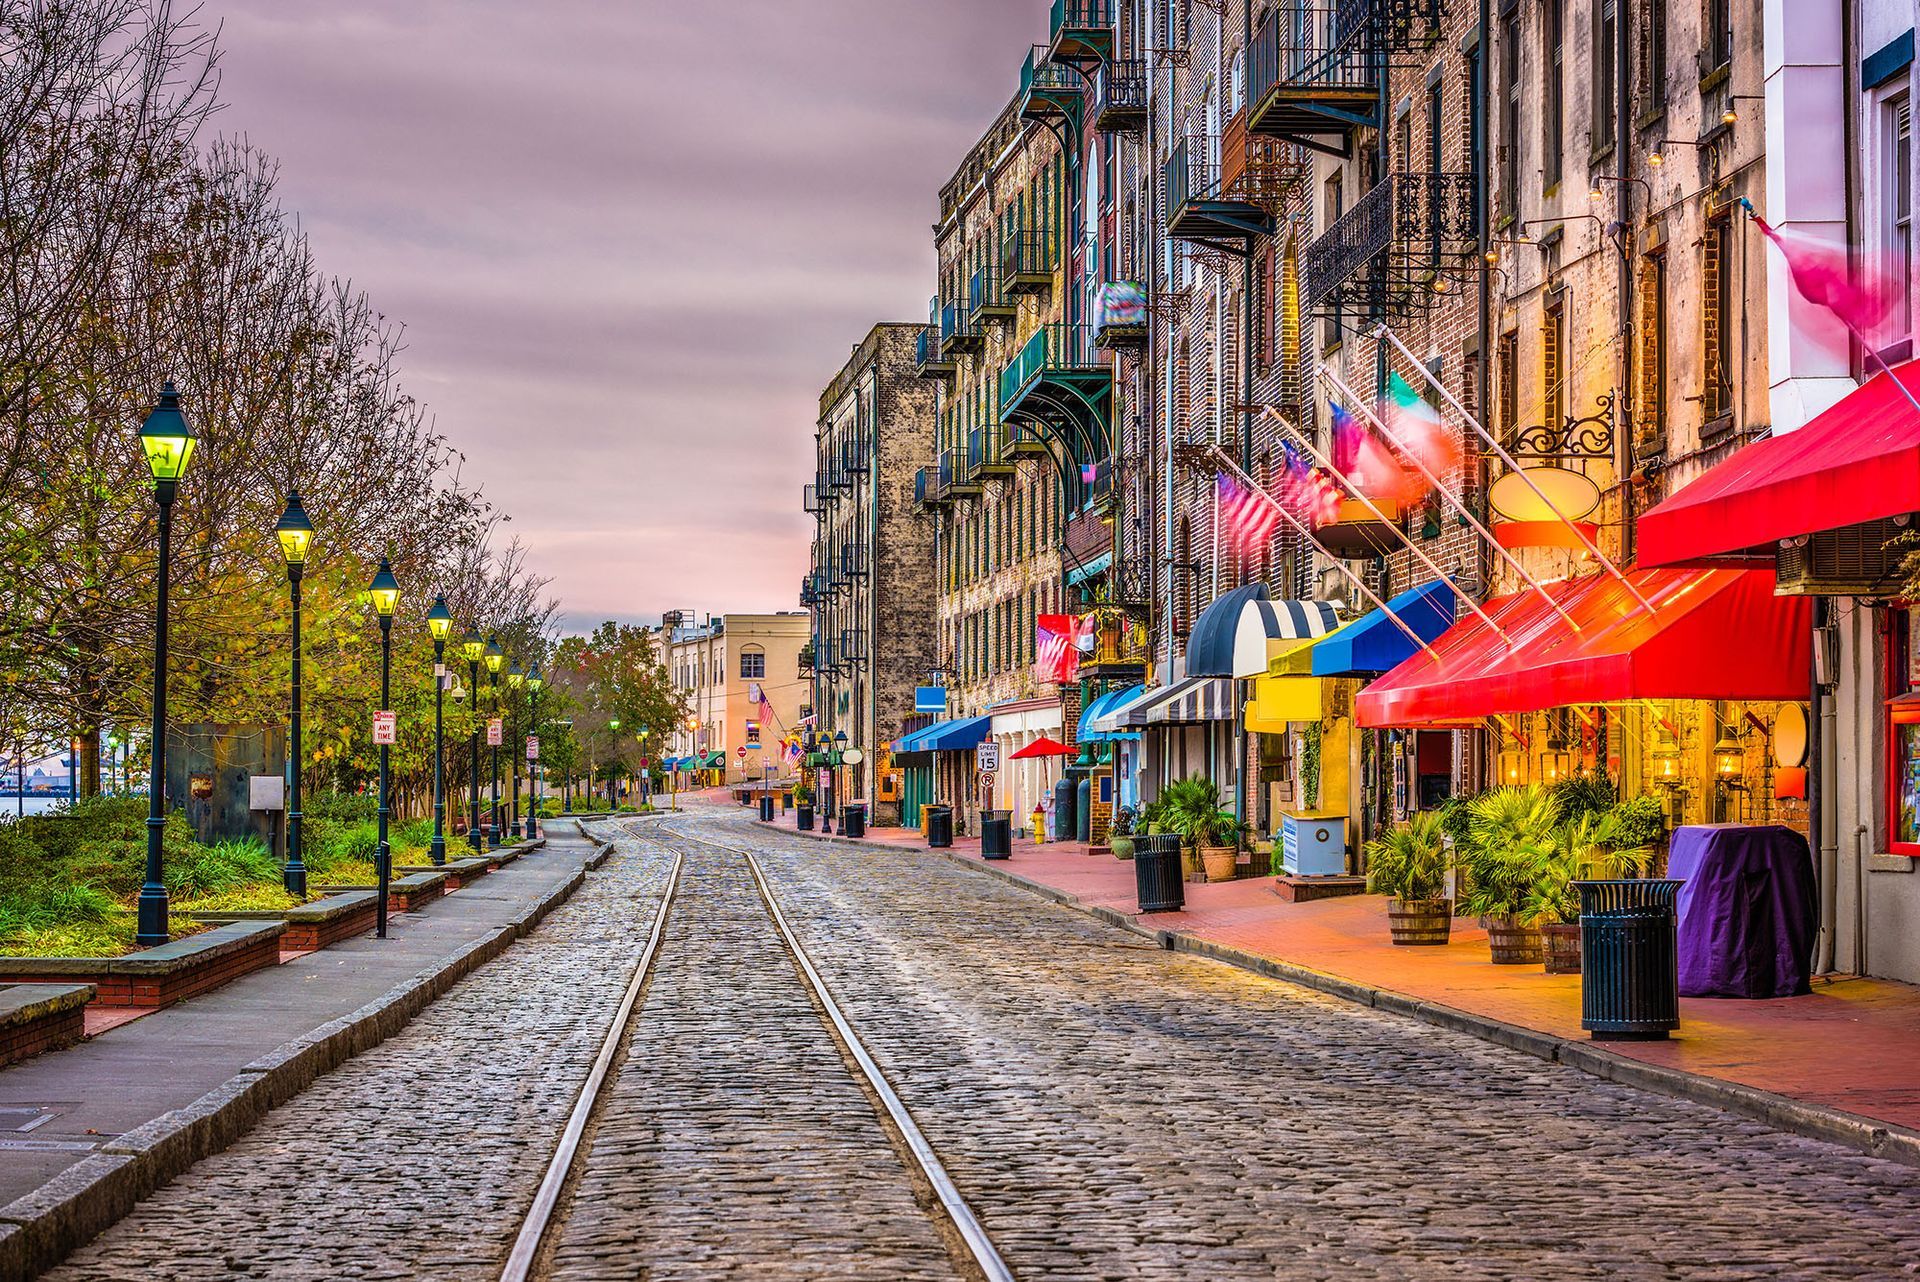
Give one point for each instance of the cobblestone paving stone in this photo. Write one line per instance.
(419, 1157)
(735, 1142)
(1111, 1110)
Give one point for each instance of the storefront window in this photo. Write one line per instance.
(1903, 821)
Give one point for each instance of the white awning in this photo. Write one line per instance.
(1262, 623)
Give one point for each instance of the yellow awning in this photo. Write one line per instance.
(1291, 656)
(1277, 701)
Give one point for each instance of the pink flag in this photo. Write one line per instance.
(1820, 273)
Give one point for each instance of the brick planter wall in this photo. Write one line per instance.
(41, 1017)
(460, 872)
(331, 920)
(156, 977)
(409, 894)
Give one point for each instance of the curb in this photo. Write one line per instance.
(1783, 1112)
(43, 1227)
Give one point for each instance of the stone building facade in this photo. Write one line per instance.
(719, 664)
(873, 630)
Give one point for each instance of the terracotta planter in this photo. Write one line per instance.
(1562, 948)
(1122, 846)
(1189, 863)
(1514, 943)
(1420, 921)
(1219, 862)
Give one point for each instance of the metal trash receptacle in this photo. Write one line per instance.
(1629, 959)
(1156, 872)
(766, 808)
(853, 819)
(939, 827)
(996, 834)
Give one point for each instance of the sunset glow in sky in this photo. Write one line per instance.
(630, 242)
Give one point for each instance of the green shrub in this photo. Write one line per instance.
(200, 871)
(342, 807)
(1510, 837)
(247, 899)
(1641, 824)
(1409, 862)
(1583, 794)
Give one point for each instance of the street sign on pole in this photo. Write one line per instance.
(741, 752)
(533, 747)
(386, 728)
(495, 735)
(986, 756)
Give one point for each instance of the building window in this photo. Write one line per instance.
(753, 665)
(1510, 113)
(1653, 354)
(1653, 52)
(1555, 16)
(1903, 738)
(1333, 206)
(1553, 363)
(1434, 168)
(1606, 79)
(1716, 347)
(1896, 185)
(1719, 17)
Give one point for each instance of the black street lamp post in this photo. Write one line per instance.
(515, 679)
(534, 682)
(385, 591)
(839, 758)
(495, 657)
(440, 623)
(473, 647)
(825, 745)
(613, 766)
(295, 533)
(167, 442)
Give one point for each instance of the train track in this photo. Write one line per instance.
(534, 1249)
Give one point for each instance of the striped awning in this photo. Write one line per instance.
(1233, 636)
(1187, 701)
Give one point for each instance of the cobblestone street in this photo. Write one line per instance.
(1107, 1109)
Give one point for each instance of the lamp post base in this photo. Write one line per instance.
(151, 928)
(437, 850)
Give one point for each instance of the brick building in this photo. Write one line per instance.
(872, 637)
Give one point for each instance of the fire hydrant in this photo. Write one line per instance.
(1039, 821)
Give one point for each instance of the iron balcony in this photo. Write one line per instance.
(1120, 96)
(1082, 30)
(1049, 91)
(986, 299)
(1027, 261)
(1201, 208)
(929, 361)
(1383, 254)
(1314, 73)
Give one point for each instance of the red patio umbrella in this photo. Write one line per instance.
(1043, 747)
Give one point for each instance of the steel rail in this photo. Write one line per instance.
(533, 1232)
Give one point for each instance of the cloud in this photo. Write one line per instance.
(630, 242)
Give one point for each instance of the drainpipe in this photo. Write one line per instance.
(1623, 211)
(1825, 852)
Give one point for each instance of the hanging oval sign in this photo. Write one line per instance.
(1572, 493)
(1790, 736)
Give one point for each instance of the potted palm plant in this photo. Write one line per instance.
(1120, 835)
(1585, 849)
(803, 804)
(1510, 838)
(1409, 865)
(1207, 830)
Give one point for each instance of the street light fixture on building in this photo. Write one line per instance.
(167, 442)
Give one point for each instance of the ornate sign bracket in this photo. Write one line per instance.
(1589, 437)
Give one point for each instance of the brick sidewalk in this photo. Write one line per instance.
(1850, 1046)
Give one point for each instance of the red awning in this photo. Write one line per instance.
(1858, 462)
(1714, 634)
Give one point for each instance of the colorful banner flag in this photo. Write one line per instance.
(1367, 463)
(1820, 272)
(1416, 428)
(1057, 646)
(1247, 517)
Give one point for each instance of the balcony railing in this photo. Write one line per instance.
(1048, 90)
(928, 360)
(1082, 29)
(1027, 261)
(810, 497)
(856, 456)
(987, 298)
(1382, 250)
(853, 645)
(1120, 95)
(965, 481)
(1053, 349)
(967, 334)
(853, 560)
(987, 452)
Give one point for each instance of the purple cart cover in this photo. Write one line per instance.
(1747, 910)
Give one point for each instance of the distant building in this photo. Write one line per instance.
(722, 665)
(871, 586)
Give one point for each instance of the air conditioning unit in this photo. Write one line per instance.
(1855, 561)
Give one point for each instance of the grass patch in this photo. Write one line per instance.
(260, 898)
(110, 938)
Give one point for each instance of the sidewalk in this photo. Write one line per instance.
(1849, 1047)
(60, 1109)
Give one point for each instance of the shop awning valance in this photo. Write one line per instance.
(946, 736)
(1374, 642)
(1714, 634)
(1231, 636)
(1858, 462)
(1089, 731)
(715, 760)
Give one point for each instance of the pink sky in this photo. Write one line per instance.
(630, 242)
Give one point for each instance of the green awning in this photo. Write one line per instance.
(714, 761)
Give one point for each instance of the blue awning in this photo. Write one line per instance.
(1088, 733)
(1373, 643)
(946, 736)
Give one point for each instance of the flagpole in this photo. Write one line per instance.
(1222, 460)
(1512, 563)
(1381, 331)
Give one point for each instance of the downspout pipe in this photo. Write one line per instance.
(1825, 851)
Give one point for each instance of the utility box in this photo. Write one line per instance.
(210, 770)
(1314, 845)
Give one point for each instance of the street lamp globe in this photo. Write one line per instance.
(840, 738)
(165, 438)
(515, 677)
(613, 723)
(385, 590)
(495, 655)
(472, 647)
(440, 619)
(534, 679)
(294, 530)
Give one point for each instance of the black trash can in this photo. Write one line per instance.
(1629, 959)
(803, 816)
(939, 827)
(996, 834)
(766, 807)
(853, 819)
(1156, 872)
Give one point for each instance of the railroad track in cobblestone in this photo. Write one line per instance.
(545, 1246)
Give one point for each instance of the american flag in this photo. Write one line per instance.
(1247, 517)
(1056, 655)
